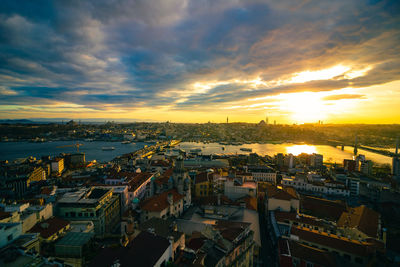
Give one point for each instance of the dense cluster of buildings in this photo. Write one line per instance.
(166, 206)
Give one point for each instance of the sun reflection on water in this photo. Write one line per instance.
(298, 149)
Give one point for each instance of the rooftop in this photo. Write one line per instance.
(74, 239)
(362, 218)
(145, 250)
(350, 246)
(306, 253)
(49, 227)
(160, 202)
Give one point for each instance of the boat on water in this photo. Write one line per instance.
(246, 149)
(125, 142)
(108, 148)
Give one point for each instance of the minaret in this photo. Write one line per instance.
(355, 147)
(266, 120)
(227, 120)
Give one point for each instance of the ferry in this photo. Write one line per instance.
(195, 150)
(246, 149)
(108, 148)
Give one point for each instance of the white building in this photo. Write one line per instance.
(9, 232)
(235, 190)
(316, 187)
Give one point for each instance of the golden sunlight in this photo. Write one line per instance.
(304, 107)
(298, 149)
(325, 74)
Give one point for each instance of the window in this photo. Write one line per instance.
(10, 237)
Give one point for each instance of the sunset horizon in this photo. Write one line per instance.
(184, 61)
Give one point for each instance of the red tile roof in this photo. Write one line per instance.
(322, 208)
(49, 227)
(160, 163)
(160, 202)
(136, 181)
(344, 244)
(163, 179)
(309, 254)
(281, 216)
(362, 218)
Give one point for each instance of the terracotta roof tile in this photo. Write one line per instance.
(350, 246)
(307, 253)
(362, 218)
(49, 227)
(160, 202)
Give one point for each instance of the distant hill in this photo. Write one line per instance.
(23, 121)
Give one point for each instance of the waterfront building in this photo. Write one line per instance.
(289, 161)
(316, 160)
(280, 159)
(349, 165)
(57, 165)
(366, 167)
(16, 180)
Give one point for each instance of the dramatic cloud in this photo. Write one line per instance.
(343, 96)
(189, 55)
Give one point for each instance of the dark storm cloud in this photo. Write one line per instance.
(150, 52)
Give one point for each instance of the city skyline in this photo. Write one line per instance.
(200, 61)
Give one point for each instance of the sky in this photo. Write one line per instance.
(201, 60)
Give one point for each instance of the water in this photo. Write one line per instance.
(93, 150)
(13, 150)
(331, 154)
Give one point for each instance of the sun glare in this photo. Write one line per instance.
(298, 149)
(304, 107)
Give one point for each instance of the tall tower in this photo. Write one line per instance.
(355, 147)
(227, 120)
